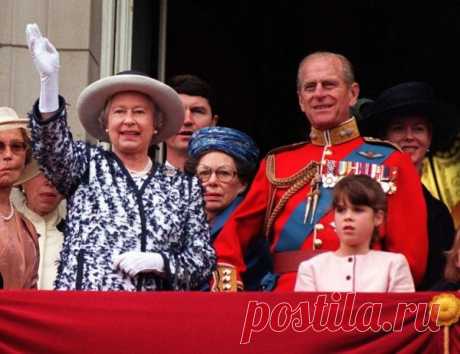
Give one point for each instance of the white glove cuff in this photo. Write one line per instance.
(49, 91)
(159, 262)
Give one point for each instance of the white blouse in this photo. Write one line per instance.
(376, 271)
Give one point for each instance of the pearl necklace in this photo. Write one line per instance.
(7, 218)
(144, 171)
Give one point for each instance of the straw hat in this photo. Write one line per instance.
(93, 99)
(9, 119)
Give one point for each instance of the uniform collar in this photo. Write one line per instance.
(346, 131)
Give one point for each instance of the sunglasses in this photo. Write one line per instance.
(16, 147)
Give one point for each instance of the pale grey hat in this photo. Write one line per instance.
(94, 97)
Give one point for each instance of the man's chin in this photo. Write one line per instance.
(325, 123)
(177, 145)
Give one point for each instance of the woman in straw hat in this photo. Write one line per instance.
(131, 224)
(18, 239)
(39, 201)
(410, 116)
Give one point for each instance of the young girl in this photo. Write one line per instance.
(360, 205)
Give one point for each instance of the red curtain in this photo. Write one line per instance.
(186, 322)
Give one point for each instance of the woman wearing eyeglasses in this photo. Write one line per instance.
(18, 238)
(225, 160)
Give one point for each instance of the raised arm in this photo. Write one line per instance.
(63, 161)
(46, 61)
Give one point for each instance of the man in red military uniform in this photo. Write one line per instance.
(289, 200)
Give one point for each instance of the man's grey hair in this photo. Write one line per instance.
(347, 67)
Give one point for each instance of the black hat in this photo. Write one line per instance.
(361, 107)
(412, 98)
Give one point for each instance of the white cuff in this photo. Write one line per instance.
(49, 91)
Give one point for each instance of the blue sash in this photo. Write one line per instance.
(220, 219)
(295, 232)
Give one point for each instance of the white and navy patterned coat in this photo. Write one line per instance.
(108, 214)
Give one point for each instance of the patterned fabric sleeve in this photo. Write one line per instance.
(191, 267)
(63, 160)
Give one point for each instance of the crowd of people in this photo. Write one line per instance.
(338, 212)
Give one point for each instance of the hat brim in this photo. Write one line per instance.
(427, 108)
(31, 170)
(93, 99)
(21, 123)
(442, 116)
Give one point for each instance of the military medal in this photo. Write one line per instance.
(336, 170)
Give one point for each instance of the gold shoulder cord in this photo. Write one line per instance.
(294, 183)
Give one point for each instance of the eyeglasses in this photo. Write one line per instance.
(16, 147)
(223, 174)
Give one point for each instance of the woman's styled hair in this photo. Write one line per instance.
(361, 190)
(452, 271)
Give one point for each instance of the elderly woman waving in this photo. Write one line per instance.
(131, 224)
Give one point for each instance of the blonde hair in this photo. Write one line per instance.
(452, 271)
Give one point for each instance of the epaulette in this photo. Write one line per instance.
(287, 147)
(376, 141)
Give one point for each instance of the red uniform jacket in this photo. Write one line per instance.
(405, 229)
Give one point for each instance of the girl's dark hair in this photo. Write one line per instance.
(361, 190)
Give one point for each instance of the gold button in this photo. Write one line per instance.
(319, 227)
(327, 152)
(318, 243)
(227, 287)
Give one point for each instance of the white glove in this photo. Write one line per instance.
(135, 262)
(46, 61)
